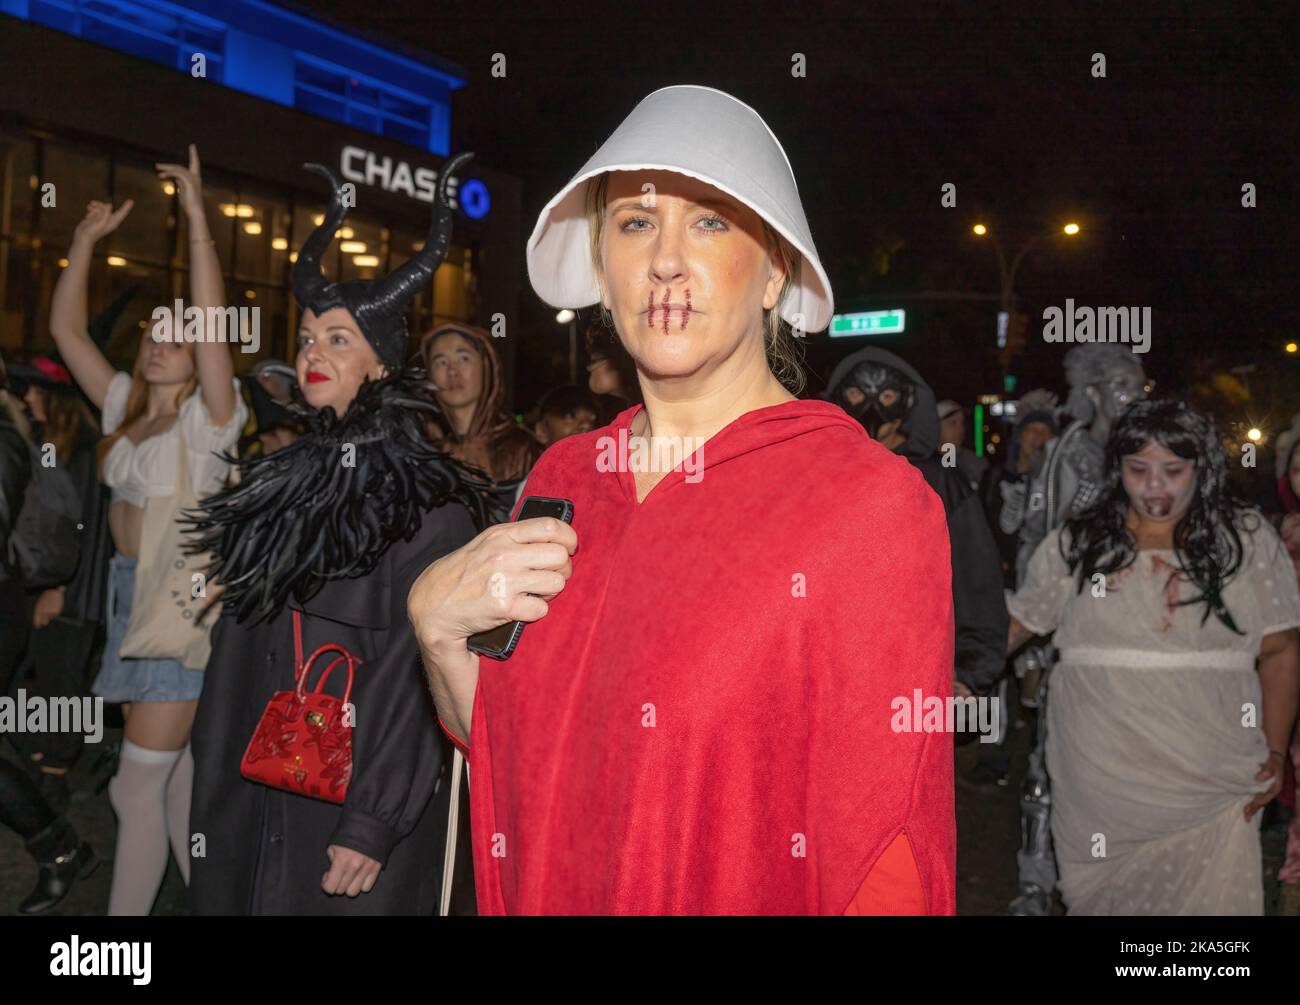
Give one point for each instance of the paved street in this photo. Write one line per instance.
(987, 837)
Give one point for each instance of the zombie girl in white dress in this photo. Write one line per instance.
(1174, 609)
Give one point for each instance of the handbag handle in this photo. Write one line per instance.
(347, 658)
(301, 668)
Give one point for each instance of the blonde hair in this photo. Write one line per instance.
(784, 356)
(137, 401)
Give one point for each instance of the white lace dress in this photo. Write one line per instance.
(1153, 729)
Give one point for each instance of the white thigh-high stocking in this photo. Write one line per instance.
(138, 795)
(177, 797)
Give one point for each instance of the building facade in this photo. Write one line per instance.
(94, 93)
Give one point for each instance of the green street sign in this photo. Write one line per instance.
(868, 323)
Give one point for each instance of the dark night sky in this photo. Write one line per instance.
(1150, 160)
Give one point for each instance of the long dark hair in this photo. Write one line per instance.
(1206, 538)
(67, 422)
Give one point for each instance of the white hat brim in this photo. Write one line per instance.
(559, 250)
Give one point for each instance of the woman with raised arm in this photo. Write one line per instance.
(699, 718)
(170, 418)
(1175, 609)
(318, 545)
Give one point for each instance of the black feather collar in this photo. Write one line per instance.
(329, 505)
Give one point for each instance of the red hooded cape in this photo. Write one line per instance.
(703, 722)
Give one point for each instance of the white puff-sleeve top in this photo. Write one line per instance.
(1134, 618)
(139, 471)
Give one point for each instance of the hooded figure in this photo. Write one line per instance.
(706, 719)
(319, 543)
(492, 441)
(890, 391)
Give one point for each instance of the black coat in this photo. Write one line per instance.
(15, 473)
(979, 607)
(84, 599)
(265, 849)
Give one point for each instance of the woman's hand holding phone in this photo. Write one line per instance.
(507, 573)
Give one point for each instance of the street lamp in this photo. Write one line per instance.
(1009, 274)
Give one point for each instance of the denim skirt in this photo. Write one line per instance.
(137, 680)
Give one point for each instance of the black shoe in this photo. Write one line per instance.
(63, 858)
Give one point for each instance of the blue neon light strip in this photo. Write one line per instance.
(264, 50)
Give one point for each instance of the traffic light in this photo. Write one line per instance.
(1018, 330)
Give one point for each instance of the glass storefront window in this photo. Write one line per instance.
(79, 176)
(450, 286)
(363, 249)
(146, 234)
(223, 211)
(258, 224)
(255, 234)
(19, 182)
(268, 309)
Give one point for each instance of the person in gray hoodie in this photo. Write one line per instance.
(897, 407)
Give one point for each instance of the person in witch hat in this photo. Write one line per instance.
(318, 543)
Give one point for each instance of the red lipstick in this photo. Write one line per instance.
(315, 378)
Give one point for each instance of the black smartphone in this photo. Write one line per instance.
(500, 642)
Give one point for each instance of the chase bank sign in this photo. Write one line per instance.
(365, 167)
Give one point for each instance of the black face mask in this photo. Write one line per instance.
(873, 379)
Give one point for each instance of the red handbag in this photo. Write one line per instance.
(301, 743)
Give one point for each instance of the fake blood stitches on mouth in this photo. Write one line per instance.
(650, 310)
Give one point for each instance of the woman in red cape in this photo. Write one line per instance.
(702, 716)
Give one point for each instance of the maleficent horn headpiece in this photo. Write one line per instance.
(375, 304)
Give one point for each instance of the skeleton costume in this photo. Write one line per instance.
(342, 543)
(1104, 380)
